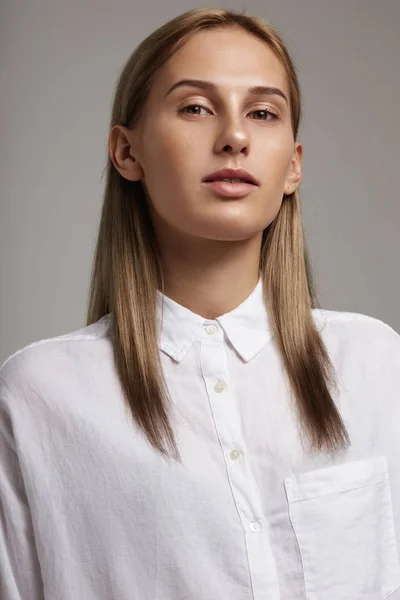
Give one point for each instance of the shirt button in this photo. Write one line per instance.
(210, 329)
(219, 387)
(234, 454)
(255, 526)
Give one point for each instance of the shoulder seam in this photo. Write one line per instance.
(346, 317)
(67, 338)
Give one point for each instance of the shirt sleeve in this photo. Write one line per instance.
(384, 380)
(20, 575)
(379, 351)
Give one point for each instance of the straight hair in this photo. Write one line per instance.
(126, 270)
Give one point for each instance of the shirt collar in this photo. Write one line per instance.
(247, 326)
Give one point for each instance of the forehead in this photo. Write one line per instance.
(228, 57)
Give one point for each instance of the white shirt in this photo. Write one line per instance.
(89, 511)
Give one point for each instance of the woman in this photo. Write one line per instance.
(211, 432)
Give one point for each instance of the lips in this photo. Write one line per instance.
(240, 174)
(225, 189)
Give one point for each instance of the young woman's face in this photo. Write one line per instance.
(192, 131)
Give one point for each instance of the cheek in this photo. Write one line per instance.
(165, 157)
(165, 167)
(173, 163)
(277, 157)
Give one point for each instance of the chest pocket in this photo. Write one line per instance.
(343, 520)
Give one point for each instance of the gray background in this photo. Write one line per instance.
(59, 64)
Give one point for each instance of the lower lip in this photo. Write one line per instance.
(231, 190)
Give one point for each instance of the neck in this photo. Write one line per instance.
(210, 277)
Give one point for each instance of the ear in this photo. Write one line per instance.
(120, 148)
(295, 171)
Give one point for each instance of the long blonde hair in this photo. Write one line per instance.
(126, 267)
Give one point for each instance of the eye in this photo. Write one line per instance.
(266, 111)
(182, 110)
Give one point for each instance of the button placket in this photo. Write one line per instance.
(224, 408)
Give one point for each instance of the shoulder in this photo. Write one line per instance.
(44, 357)
(342, 323)
(359, 335)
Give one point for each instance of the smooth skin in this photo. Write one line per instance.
(211, 245)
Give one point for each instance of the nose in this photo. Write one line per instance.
(233, 137)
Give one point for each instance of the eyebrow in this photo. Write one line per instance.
(258, 90)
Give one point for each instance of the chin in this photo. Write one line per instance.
(230, 234)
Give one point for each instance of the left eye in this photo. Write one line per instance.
(266, 111)
(260, 110)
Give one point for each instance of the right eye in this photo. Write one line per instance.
(181, 110)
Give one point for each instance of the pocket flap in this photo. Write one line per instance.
(338, 478)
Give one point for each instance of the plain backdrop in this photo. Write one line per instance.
(58, 68)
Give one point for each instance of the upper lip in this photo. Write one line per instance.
(232, 174)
